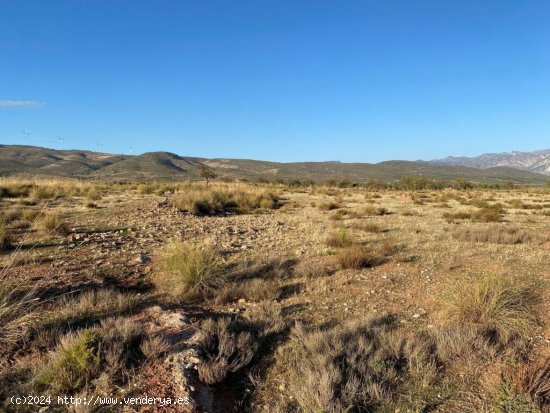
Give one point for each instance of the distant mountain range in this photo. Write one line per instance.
(538, 161)
(31, 160)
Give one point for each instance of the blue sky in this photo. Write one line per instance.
(360, 81)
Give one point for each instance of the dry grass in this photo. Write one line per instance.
(5, 238)
(187, 271)
(499, 308)
(82, 356)
(450, 216)
(356, 366)
(359, 256)
(371, 210)
(523, 388)
(491, 213)
(340, 239)
(328, 206)
(90, 307)
(497, 234)
(372, 227)
(228, 345)
(16, 314)
(253, 290)
(51, 223)
(201, 200)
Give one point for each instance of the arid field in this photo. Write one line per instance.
(245, 297)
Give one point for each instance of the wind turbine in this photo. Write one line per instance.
(131, 151)
(61, 140)
(25, 136)
(99, 147)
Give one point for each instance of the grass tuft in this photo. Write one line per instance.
(5, 238)
(187, 271)
(51, 223)
(498, 307)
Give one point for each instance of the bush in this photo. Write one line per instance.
(532, 382)
(147, 189)
(73, 364)
(498, 307)
(227, 345)
(44, 192)
(187, 271)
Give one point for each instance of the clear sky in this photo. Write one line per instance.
(361, 81)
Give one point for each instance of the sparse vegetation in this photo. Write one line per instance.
(218, 305)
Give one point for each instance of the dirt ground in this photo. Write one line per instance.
(115, 244)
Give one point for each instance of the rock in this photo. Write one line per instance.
(140, 259)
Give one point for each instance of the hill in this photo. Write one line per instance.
(29, 160)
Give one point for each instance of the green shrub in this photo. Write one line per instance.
(74, 363)
(81, 357)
